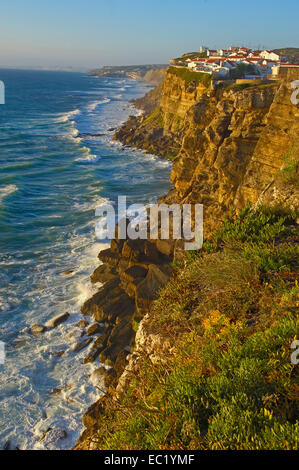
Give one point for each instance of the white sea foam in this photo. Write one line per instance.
(39, 361)
(4, 306)
(7, 190)
(91, 107)
(87, 156)
(96, 202)
(64, 117)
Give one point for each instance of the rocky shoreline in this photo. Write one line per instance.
(131, 275)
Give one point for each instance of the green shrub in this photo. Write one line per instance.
(189, 77)
(289, 173)
(260, 226)
(283, 257)
(172, 156)
(228, 381)
(155, 119)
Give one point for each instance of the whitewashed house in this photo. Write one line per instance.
(269, 55)
(224, 52)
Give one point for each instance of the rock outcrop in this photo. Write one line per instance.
(131, 275)
(227, 143)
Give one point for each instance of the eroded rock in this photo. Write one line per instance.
(54, 322)
(37, 329)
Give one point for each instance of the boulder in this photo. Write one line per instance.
(116, 246)
(93, 329)
(120, 337)
(81, 344)
(103, 273)
(133, 273)
(148, 289)
(131, 277)
(76, 333)
(92, 305)
(97, 347)
(57, 320)
(133, 250)
(94, 412)
(37, 329)
(108, 303)
(107, 256)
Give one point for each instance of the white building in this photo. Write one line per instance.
(212, 52)
(269, 55)
(224, 52)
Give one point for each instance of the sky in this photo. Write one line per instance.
(92, 33)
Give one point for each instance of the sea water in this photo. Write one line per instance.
(51, 182)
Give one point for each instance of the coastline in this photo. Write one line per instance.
(130, 275)
(198, 125)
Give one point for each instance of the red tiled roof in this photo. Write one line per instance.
(237, 56)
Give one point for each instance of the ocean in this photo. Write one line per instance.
(51, 182)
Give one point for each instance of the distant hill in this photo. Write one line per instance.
(131, 71)
(292, 53)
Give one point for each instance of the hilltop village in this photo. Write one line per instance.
(234, 63)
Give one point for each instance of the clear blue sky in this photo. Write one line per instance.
(91, 33)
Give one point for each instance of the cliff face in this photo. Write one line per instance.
(277, 142)
(227, 144)
(160, 130)
(155, 76)
(217, 148)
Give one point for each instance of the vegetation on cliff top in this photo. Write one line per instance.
(231, 314)
(191, 55)
(291, 52)
(289, 173)
(189, 77)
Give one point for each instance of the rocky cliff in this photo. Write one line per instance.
(227, 143)
(230, 145)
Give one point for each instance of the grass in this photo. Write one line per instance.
(191, 55)
(155, 119)
(230, 315)
(289, 174)
(191, 77)
(172, 156)
(244, 86)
